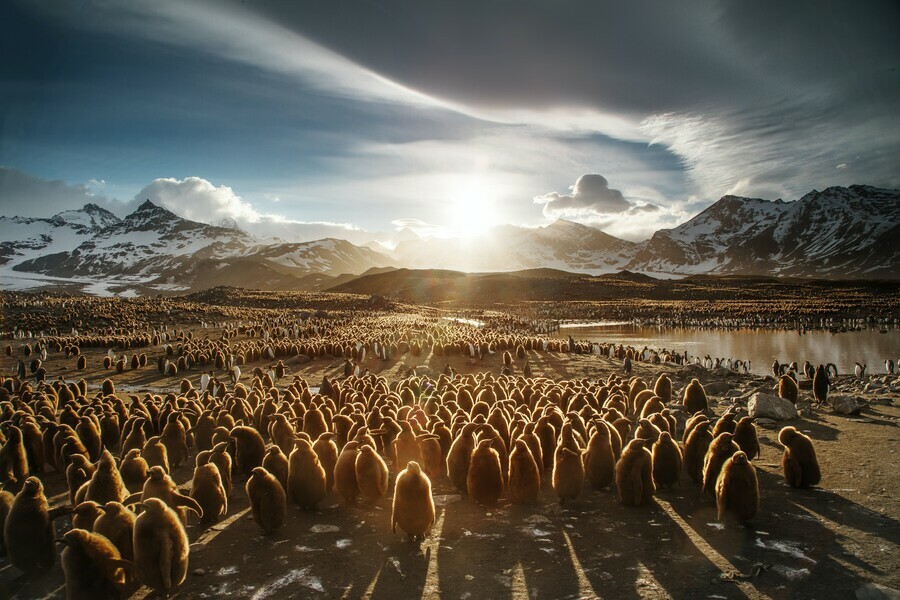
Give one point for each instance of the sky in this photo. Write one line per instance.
(359, 119)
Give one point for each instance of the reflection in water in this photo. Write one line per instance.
(759, 346)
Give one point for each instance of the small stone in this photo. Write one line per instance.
(444, 500)
(199, 572)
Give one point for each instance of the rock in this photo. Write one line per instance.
(764, 422)
(200, 572)
(773, 407)
(805, 384)
(735, 393)
(537, 519)
(716, 388)
(300, 359)
(444, 500)
(423, 370)
(874, 591)
(844, 404)
(322, 528)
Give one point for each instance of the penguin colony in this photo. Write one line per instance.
(362, 438)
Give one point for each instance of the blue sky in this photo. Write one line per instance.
(355, 117)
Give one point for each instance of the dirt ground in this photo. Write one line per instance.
(825, 542)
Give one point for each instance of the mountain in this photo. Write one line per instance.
(836, 233)
(155, 249)
(561, 245)
(23, 238)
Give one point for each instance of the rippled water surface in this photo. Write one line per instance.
(760, 346)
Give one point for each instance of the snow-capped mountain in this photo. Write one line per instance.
(836, 233)
(23, 238)
(561, 245)
(154, 248)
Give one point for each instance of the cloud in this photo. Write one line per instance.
(592, 202)
(25, 195)
(591, 195)
(781, 153)
(197, 199)
(200, 200)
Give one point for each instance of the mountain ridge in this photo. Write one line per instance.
(836, 233)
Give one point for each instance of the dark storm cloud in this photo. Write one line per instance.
(633, 57)
(591, 194)
(760, 98)
(24, 195)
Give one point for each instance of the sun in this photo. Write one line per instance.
(472, 206)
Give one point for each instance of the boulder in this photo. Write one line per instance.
(771, 406)
(875, 591)
(844, 404)
(716, 388)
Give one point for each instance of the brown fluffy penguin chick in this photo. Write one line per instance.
(220, 457)
(93, 566)
(345, 473)
(568, 474)
(306, 477)
(155, 453)
(524, 475)
(821, 385)
(78, 473)
(692, 422)
(268, 500)
(599, 459)
(737, 489)
(799, 462)
(28, 531)
(460, 456)
(327, 451)
(485, 478)
(371, 474)
(663, 388)
(405, 447)
(160, 547)
(174, 438)
(250, 448)
(695, 448)
(117, 525)
(106, 484)
(134, 470)
(276, 463)
(6, 502)
(695, 399)
(720, 449)
(208, 491)
(432, 455)
(667, 461)
(13, 458)
(725, 424)
(746, 438)
(634, 474)
(84, 515)
(788, 389)
(413, 505)
(647, 431)
(162, 486)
